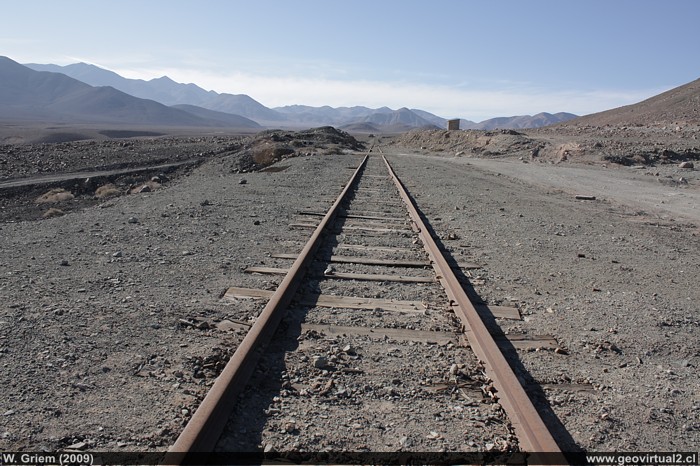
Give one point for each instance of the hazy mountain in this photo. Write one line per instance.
(434, 119)
(367, 119)
(402, 116)
(167, 91)
(40, 95)
(326, 115)
(226, 119)
(241, 104)
(679, 105)
(360, 128)
(520, 122)
(515, 122)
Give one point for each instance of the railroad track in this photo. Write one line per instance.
(369, 343)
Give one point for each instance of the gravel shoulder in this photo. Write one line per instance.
(666, 193)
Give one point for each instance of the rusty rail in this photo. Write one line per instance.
(529, 427)
(204, 428)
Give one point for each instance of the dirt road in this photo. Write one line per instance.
(672, 195)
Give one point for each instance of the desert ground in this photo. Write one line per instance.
(111, 280)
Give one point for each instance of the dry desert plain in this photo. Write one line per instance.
(110, 301)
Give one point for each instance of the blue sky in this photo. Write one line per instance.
(455, 58)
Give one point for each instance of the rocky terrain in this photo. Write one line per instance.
(622, 144)
(92, 171)
(112, 325)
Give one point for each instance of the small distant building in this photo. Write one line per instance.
(453, 125)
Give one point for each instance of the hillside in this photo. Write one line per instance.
(226, 119)
(523, 121)
(167, 91)
(398, 118)
(680, 105)
(38, 95)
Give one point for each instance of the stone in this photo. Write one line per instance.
(242, 181)
(686, 165)
(133, 220)
(320, 362)
(53, 212)
(77, 446)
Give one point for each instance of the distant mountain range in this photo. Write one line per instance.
(87, 93)
(26, 94)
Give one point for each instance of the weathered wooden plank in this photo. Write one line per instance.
(375, 229)
(348, 276)
(309, 226)
(356, 212)
(373, 224)
(266, 270)
(311, 213)
(374, 261)
(321, 300)
(379, 277)
(375, 191)
(518, 341)
(374, 202)
(424, 336)
(362, 247)
(354, 302)
(377, 234)
(372, 217)
(378, 216)
(385, 262)
(390, 262)
(365, 260)
(236, 292)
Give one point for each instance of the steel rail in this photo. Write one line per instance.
(207, 423)
(531, 431)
